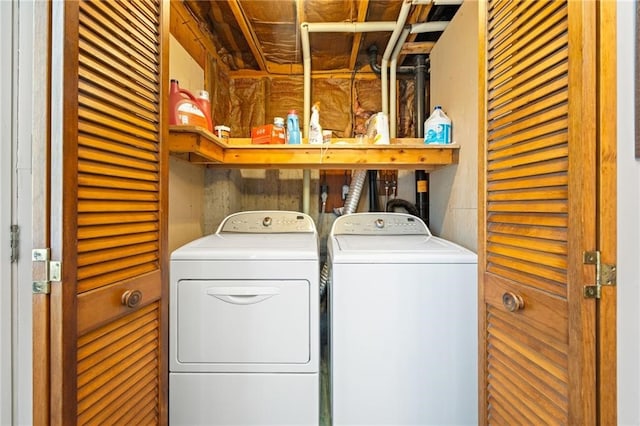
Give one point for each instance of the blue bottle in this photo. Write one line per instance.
(293, 128)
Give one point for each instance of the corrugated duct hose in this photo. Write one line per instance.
(350, 206)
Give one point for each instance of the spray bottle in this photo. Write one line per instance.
(315, 130)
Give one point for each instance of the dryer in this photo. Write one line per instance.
(244, 339)
(403, 324)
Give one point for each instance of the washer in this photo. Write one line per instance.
(403, 324)
(244, 339)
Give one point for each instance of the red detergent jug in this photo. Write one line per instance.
(184, 108)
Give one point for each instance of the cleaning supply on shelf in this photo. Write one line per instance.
(205, 105)
(315, 130)
(186, 109)
(293, 128)
(437, 128)
(378, 129)
(223, 132)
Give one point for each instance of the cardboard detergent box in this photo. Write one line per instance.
(267, 134)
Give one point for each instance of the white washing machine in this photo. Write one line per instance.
(403, 324)
(244, 339)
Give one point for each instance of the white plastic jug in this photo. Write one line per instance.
(437, 128)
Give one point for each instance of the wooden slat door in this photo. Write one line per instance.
(538, 213)
(109, 213)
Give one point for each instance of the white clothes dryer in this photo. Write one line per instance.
(244, 339)
(403, 324)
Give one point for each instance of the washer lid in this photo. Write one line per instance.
(238, 246)
(387, 249)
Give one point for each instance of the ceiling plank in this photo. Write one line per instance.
(249, 34)
(417, 48)
(217, 16)
(357, 39)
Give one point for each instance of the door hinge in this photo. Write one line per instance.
(52, 270)
(15, 239)
(605, 274)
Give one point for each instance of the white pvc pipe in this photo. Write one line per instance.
(354, 27)
(424, 27)
(306, 62)
(402, 18)
(429, 27)
(447, 2)
(394, 67)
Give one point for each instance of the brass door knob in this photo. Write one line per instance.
(512, 302)
(131, 298)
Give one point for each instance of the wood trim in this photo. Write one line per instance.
(607, 202)
(482, 211)
(64, 220)
(40, 156)
(582, 210)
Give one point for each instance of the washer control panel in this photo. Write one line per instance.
(379, 224)
(267, 222)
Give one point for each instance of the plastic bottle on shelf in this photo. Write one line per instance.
(185, 108)
(315, 129)
(293, 128)
(437, 128)
(205, 105)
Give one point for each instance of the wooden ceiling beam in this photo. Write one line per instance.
(217, 16)
(285, 71)
(249, 34)
(363, 7)
(185, 29)
(417, 48)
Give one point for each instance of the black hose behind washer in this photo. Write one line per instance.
(406, 205)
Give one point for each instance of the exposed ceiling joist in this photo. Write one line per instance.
(263, 36)
(357, 39)
(417, 48)
(249, 34)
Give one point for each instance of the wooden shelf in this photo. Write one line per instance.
(202, 147)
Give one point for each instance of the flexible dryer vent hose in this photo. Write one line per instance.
(350, 206)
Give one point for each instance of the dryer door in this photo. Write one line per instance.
(242, 322)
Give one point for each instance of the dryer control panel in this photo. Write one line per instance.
(379, 224)
(267, 222)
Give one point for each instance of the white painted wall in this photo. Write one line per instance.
(186, 181)
(6, 80)
(453, 199)
(628, 226)
(23, 117)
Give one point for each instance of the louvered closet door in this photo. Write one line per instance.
(538, 213)
(108, 327)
